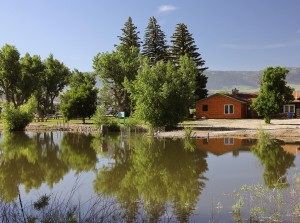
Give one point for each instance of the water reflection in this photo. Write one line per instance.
(33, 160)
(275, 160)
(221, 146)
(78, 152)
(149, 178)
(153, 175)
(28, 161)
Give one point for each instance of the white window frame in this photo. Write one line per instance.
(228, 109)
(289, 108)
(228, 141)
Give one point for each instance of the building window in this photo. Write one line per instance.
(228, 109)
(204, 107)
(289, 108)
(228, 141)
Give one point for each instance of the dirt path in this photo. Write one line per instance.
(285, 129)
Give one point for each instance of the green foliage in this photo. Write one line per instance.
(100, 117)
(155, 44)
(188, 132)
(130, 36)
(80, 100)
(132, 122)
(113, 68)
(51, 83)
(10, 70)
(273, 94)
(184, 44)
(15, 119)
(163, 93)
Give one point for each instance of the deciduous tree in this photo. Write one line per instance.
(10, 70)
(273, 93)
(81, 100)
(163, 93)
(113, 68)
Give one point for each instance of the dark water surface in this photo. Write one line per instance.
(181, 180)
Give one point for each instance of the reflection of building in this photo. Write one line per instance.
(220, 146)
(292, 148)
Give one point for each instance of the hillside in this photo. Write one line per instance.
(245, 81)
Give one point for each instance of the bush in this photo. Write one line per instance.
(100, 117)
(15, 119)
(132, 122)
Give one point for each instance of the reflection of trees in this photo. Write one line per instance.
(156, 173)
(28, 161)
(77, 151)
(275, 160)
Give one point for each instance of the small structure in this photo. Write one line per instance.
(293, 108)
(224, 106)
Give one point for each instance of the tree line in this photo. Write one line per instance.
(150, 80)
(155, 82)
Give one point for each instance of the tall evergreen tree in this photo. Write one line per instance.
(155, 44)
(183, 43)
(130, 36)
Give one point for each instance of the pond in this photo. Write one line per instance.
(146, 179)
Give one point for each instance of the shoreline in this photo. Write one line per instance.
(282, 129)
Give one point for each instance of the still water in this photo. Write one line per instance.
(154, 179)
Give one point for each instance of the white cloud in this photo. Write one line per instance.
(261, 47)
(166, 8)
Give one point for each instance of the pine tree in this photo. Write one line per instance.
(184, 44)
(155, 44)
(130, 36)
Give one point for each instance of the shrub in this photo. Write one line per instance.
(15, 119)
(100, 117)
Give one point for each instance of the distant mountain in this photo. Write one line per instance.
(245, 81)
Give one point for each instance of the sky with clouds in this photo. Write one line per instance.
(230, 35)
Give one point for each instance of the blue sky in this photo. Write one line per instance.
(230, 34)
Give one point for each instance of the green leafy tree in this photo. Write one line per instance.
(10, 70)
(113, 68)
(17, 75)
(163, 93)
(155, 44)
(32, 71)
(273, 93)
(130, 36)
(52, 82)
(81, 99)
(183, 43)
